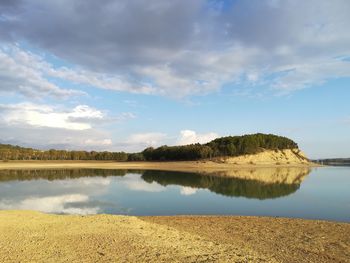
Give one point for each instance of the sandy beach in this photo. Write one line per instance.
(35, 237)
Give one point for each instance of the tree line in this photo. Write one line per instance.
(9, 152)
(220, 147)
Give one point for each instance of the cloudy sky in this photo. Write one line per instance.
(127, 74)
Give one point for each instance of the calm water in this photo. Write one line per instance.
(321, 193)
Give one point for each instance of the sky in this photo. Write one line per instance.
(128, 74)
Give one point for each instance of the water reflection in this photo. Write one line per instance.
(57, 174)
(92, 191)
(228, 186)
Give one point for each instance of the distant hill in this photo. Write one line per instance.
(231, 146)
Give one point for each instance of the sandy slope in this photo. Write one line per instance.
(271, 157)
(35, 237)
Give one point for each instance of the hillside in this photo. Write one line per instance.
(268, 157)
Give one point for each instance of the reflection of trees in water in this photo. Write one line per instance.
(57, 174)
(227, 186)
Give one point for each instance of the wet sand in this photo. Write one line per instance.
(35, 237)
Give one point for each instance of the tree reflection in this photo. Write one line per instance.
(57, 174)
(228, 186)
(225, 185)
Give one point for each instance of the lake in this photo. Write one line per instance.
(318, 193)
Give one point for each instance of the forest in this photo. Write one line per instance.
(220, 147)
(9, 152)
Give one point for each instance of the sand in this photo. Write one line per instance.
(35, 237)
(278, 239)
(271, 157)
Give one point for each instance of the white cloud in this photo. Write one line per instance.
(124, 116)
(52, 204)
(94, 181)
(21, 72)
(140, 141)
(92, 142)
(29, 74)
(79, 127)
(191, 137)
(210, 46)
(313, 73)
(100, 80)
(188, 190)
(55, 138)
(71, 196)
(146, 139)
(133, 182)
(79, 118)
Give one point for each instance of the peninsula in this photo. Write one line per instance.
(222, 153)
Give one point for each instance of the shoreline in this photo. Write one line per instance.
(184, 166)
(288, 174)
(29, 236)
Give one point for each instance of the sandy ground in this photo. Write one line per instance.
(278, 239)
(36, 237)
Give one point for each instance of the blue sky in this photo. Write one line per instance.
(125, 75)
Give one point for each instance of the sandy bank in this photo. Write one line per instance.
(35, 237)
(271, 157)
